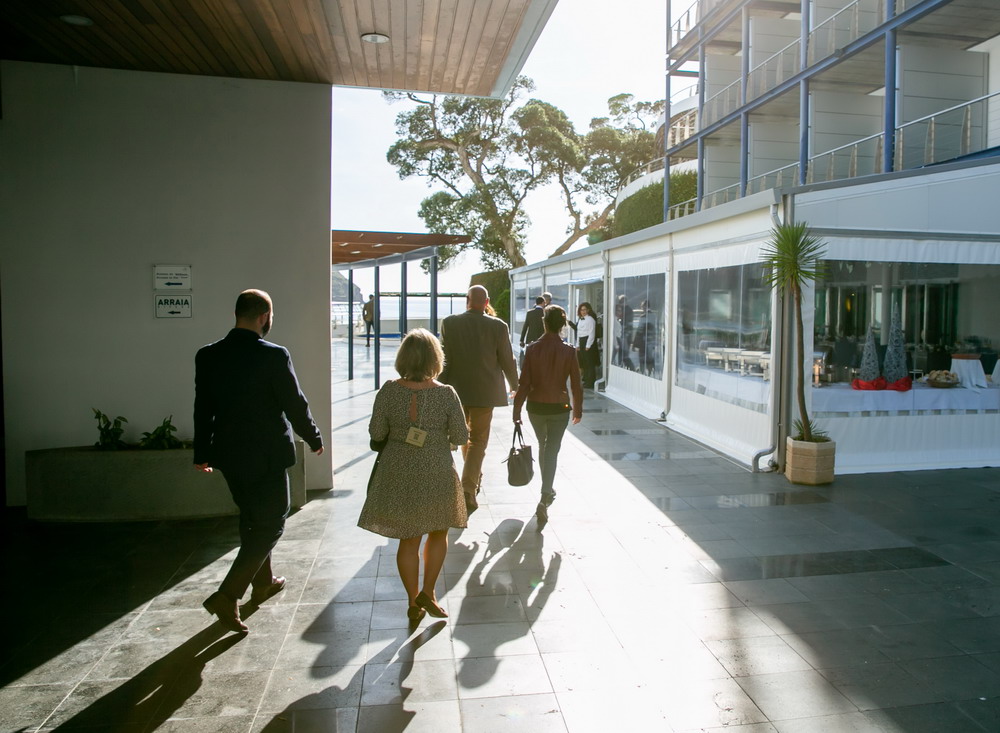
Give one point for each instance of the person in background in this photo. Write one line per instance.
(533, 328)
(586, 339)
(645, 333)
(478, 356)
(415, 490)
(245, 396)
(368, 314)
(548, 365)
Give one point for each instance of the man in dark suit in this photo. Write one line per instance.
(246, 393)
(477, 356)
(533, 328)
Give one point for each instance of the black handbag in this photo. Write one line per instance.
(519, 461)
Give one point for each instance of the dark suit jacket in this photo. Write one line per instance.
(245, 388)
(477, 356)
(533, 327)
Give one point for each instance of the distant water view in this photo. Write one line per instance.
(418, 312)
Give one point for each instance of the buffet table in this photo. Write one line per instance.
(841, 398)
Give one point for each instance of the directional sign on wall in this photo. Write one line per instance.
(172, 305)
(171, 277)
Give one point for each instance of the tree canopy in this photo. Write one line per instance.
(486, 156)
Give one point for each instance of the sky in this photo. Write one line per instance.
(586, 54)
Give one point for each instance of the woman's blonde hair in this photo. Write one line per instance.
(420, 356)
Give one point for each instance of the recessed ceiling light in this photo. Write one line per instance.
(81, 20)
(374, 37)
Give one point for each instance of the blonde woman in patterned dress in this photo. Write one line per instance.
(415, 490)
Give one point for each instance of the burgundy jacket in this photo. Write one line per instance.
(548, 363)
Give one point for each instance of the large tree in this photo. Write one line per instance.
(487, 155)
(615, 147)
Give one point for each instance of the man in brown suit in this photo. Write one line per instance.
(477, 355)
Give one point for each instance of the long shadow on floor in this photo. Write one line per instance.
(152, 696)
(83, 582)
(521, 554)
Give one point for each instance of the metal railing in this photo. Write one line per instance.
(683, 127)
(843, 27)
(682, 209)
(778, 178)
(961, 130)
(687, 20)
(860, 158)
(644, 170)
(950, 133)
(720, 196)
(721, 103)
(767, 75)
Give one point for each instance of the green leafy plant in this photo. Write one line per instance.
(161, 438)
(110, 431)
(793, 258)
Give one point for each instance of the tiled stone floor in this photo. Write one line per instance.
(671, 591)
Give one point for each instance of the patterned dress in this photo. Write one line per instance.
(415, 490)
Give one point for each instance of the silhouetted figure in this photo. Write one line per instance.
(246, 393)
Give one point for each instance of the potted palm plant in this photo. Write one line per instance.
(792, 257)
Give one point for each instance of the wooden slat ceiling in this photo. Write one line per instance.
(473, 47)
(350, 246)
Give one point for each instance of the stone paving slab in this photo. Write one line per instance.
(671, 591)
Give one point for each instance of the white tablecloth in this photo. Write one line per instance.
(970, 372)
(842, 398)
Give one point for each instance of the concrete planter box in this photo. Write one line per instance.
(809, 463)
(87, 485)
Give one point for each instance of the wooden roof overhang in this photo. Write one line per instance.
(446, 46)
(352, 249)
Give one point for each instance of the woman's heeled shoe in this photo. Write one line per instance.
(415, 614)
(424, 601)
(542, 515)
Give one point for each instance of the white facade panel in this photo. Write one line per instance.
(107, 173)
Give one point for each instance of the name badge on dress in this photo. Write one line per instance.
(416, 436)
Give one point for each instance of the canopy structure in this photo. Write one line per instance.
(351, 250)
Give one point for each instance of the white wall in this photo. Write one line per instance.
(107, 173)
(992, 51)
(838, 119)
(770, 35)
(936, 78)
(773, 145)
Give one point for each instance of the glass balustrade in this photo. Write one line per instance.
(721, 103)
(961, 130)
(843, 27)
(783, 65)
(778, 178)
(682, 209)
(860, 158)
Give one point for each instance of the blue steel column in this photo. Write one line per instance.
(702, 78)
(803, 131)
(350, 324)
(378, 328)
(434, 293)
(666, 134)
(889, 131)
(804, 94)
(744, 117)
(403, 326)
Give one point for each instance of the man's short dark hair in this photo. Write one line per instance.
(554, 318)
(539, 300)
(252, 304)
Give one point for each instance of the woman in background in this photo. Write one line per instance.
(415, 489)
(548, 364)
(586, 339)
